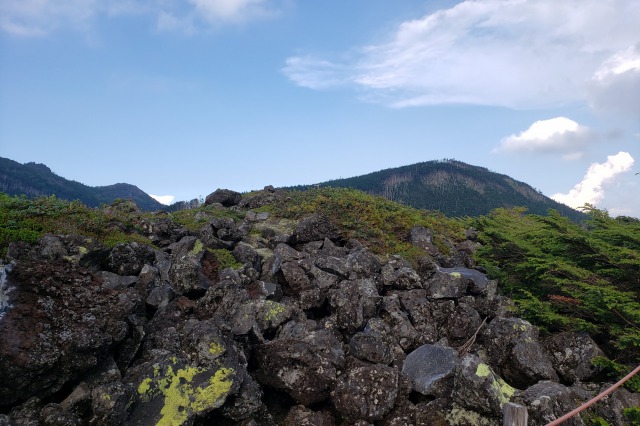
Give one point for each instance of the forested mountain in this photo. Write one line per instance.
(455, 188)
(35, 180)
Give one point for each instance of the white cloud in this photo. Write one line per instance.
(41, 17)
(314, 73)
(513, 53)
(592, 187)
(555, 135)
(615, 86)
(232, 10)
(163, 199)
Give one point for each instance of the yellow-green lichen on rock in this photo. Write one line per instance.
(273, 309)
(197, 248)
(460, 416)
(455, 274)
(182, 394)
(503, 391)
(216, 349)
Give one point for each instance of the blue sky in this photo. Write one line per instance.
(181, 97)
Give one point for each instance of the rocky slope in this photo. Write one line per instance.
(306, 328)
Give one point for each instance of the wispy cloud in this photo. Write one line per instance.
(513, 53)
(555, 135)
(592, 187)
(42, 17)
(615, 86)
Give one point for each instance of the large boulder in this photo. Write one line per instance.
(572, 354)
(60, 324)
(314, 228)
(546, 401)
(479, 389)
(431, 369)
(366, 392)
(514, 351)
(194, 269)
(226, 197)
(305, 367)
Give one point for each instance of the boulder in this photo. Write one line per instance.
(571, 355)
(304, 367)
(431, 369)
(513, 349)
(354, 302)
(314, 228)
(366, 392)
(129, 259)
(444, 285)
(226, 197)
(194, 269)
(478, 388)
(299, 415)
(60, 325)
(547, 401)
(370, 345)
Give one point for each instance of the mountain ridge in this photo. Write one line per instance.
(452, 187)
(35, 180)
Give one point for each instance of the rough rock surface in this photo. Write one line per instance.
(312, 329)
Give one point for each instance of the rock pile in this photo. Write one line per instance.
(312, 329)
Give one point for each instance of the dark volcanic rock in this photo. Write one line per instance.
(226, 197)
(430, 367)
(306, 368)
(129, 259)
(514, 350)
(367, 392)
(547, 401)
(314, 228)
(62, 323)
(572, 354)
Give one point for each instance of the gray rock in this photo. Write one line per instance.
(477, 282)
(361, 263)
(571, 355)
(299, 415)
(547, 401)
(421, 237)
(479, 389)
(115, 281)
(354, 302)
(226, 197)
(129, 259)
(430, 367)
(513, 349)
(371, 346)
(443, 285)
(366, 392)
(244, 253)
(306, 368)
(314, 228)
(160, 296)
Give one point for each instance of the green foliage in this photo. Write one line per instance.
(568, 276)
(195, 219)
(225, 259)
(633, 415)
(382, 224)
(24, 219)
(618, 371)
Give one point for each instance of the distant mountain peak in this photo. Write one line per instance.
(35, 180)
(453, 187)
